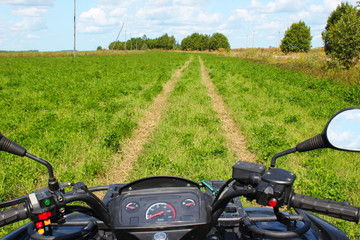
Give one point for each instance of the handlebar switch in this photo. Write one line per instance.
(275, 187)
(44, 207)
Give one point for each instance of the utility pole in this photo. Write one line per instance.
(117, 38)
(247, 38)
(74, 28)
(130, 42)
(253, 40)
(125, 39)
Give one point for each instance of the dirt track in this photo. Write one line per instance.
(133, 146)
(235, 140)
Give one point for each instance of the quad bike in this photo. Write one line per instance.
(168, 207)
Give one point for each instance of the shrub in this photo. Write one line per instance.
(297, 38)
(344, 38)
(332, 20)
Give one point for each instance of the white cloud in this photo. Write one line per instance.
(28, 2)
(25, 18)
(154, 16)
(271, 26)
(353, 115)
(96, 15)
(116, 12)
(30, 11)
(32, 36)
(97, 20)
(29, 24)
(286, 5)
(302, 15)
(255, 4)
(278, 6)
(244, 14)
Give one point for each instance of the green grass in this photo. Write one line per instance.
(277, 109)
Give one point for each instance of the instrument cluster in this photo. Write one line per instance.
(159, 209)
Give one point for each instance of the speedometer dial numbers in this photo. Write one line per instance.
(160, 212)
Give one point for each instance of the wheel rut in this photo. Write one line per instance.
(133, 146)
(234, 138)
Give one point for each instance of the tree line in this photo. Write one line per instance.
(165, 42)
(194, 41)
(341, 36)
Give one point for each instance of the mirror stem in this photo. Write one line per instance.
(42, 161)
(53, 184)
(280, 154)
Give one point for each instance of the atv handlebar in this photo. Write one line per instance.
(14, 214)
(81, 193)
(328, 207)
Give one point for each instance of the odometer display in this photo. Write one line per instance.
(160, 212)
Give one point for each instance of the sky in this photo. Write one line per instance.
(48, 25)
(344, 130)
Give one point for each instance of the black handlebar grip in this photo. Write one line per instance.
(328, 207)
(12, 215)
(11, 147)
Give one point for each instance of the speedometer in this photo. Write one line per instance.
(160, 212)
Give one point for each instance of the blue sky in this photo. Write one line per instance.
(47, 25)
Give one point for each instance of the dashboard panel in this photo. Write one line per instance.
(159, 208)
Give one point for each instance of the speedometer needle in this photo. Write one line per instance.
(156, 214)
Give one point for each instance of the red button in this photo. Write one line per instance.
(272, 203)
(39, 225)
(44, 215)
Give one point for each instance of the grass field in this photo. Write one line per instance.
(73, 112)
(77, 112)
(278, 109)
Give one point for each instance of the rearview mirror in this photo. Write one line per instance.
(343, 130)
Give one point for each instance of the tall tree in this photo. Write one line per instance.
(344, 38)
(297, 38)
(217, 41)
(332, 20)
